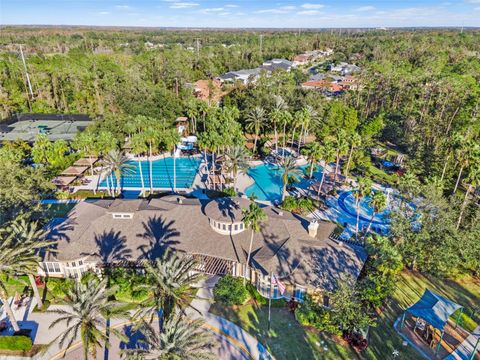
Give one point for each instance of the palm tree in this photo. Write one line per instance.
(289, 168)
(89, 307)
(276, 115)
(30, 233)
(170, 138)
(170, 282)
(236, 161)
(118, 164)
(378, 202)
(252, 218)
(255, 120)
(341, 145)
(307, 115)
(19, 243)
(286, 118)
(313, 153)
(179, 339)
(85, 142)
(465, 153)
(364, 189)
(355, 141)
(328, 154)
(151, 137)
(139, 146)
(473, 179)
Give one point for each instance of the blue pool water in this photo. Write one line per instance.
(162, 174)
(268, 181)
(346, 202)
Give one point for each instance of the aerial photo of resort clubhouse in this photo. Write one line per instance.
(242, 195)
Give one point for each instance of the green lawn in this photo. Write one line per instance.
(410, 286)
(288, 340)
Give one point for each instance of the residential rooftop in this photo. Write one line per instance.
(144, 229)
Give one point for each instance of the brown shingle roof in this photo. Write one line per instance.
(283, 244)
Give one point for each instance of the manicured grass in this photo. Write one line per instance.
(15, 343)
(288, 339)
(410, 286)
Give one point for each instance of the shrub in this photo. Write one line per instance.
(255, 295)
(15, 343)
(230, 291)
(299, 206)
(309, 313)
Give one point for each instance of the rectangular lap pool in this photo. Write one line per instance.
(162, 174)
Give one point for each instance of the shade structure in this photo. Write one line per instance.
(75, 170)
(434, 309)
(85, 161)
(63, 180)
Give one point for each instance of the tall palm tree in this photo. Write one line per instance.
(276, 115)
(364, 189)
(18, 248)
(341, 145)
(255, 119)
(308, 113)
(170, 282)
(378, 202)
(252, 218)
(179, 339)
(139, 146)
(313, 153)
(25, 232)
(289, 168)
(151, 137)
(236, 161)
(286, 118)
(355, 141)
(171, 138)
(118, 164)
(465, 153)
(89, 307)
(328, 155)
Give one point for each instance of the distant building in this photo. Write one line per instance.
(245, 76)
(274, 64)
(344, 68)
(55, 126)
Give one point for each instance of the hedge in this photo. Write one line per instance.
(15, 343)
(230, 291)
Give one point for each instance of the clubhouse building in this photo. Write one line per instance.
(120, 232)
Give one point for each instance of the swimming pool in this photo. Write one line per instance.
(267, 184)
(162, 174)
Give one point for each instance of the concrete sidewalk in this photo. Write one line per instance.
(234, 333)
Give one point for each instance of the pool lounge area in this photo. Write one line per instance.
(162, 174)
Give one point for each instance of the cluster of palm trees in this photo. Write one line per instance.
(170, 283)
(258, 119)
(91, 305)
(21, 241)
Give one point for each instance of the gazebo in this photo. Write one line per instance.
(435, 310)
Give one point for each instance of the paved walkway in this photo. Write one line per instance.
(465, 349)
(236, 334)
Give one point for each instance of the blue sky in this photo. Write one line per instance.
(242, 13)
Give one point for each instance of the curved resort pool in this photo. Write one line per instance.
(268, 181)
(162, 174)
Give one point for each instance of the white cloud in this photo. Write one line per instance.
(224, 13)
(103, 13)
(231, 6)
(473, 1)
(309, 12)
(210, 10)
(183, 5)
(365, 8)
(279, 10)
(123, 7)
(309, 6)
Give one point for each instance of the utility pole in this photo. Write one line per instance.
(26, 72)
